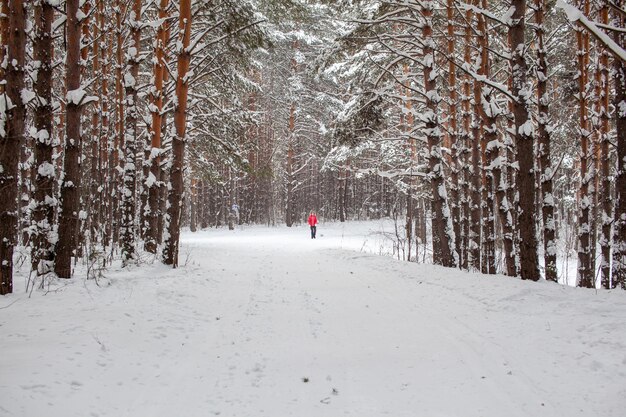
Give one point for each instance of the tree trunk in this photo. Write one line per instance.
(497, 151)
(441, 221)
(118, 141)
(69, 221)
(524, 137)
(193, 206)
(106, 169)
(127, 229)
(505, 214)
(156, 97)
(465, 138)
(474, 239)
(605, 160)
(11, 134)
(585, 261)
(619, 232)
(475, 194)
(43, 237)
(170, 252)
(487, 109)
(25, 186)
(94, 203)
(455, 145)
(164, 160)
(289, 213)
(4, 43)
(545, 159)
(511, 196)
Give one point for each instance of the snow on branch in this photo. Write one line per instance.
(362, 116)
(79, 97)
(505, 19)
(575, 15)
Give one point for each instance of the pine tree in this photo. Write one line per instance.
(133, 56)
(487, 110)
(69, 222)
(619, 101)
(454, 142)
(543, 135)
(524, 138)
(606, 215)
(585, 260)
(12, 119)
(170, 251)
(157, 92)
(442, 222)
(43, 212)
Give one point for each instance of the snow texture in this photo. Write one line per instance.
(267, 322)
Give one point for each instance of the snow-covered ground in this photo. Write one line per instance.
(267, 322)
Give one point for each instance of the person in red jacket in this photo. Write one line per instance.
(313, 224)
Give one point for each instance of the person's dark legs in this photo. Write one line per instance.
(314, 231)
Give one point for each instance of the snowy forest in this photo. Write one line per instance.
(493, 132)
(460, 166)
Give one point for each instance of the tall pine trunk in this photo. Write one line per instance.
(43, 210)
(94, 203)
(465, 138)
(488, 113)
(12, 116)
(127, 229)
(441, 221)
(106, 168)
(455, 145)
(156, 97)
(118, 141)
(291, 180)
(585, 261)
(289, 212)
(170, 252)
(69, 222)
(524, 137)
(619, 232)
(543, 135)
(605, 160)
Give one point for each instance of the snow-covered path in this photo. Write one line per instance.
(266, 322)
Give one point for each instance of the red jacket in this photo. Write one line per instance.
(312, 220)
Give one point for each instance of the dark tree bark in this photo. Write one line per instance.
(455, 145)
(606, 195)
(105, 169)
(94, 203)
(543, 133)
(475, 193)
(11, 135)
(585, 259)
(524, 138)
(127, 229)
(474, 173)
(43, 211)
(465, 138)
(70, 196)
(619, 232)
(489, 145)
(441, 221)
(4, 40)
(118, 142)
